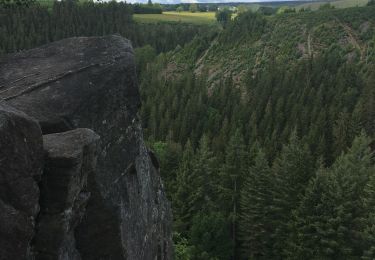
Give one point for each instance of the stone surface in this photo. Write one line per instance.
(21, 162)
(91, 83)
(70, 157)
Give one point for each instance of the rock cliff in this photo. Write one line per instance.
(100, 199)
(21, 164)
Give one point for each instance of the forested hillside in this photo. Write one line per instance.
(263, 129)
(264, 136)
(23, 27)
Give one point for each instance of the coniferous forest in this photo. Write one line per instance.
(24, 27)
(264, 135)
(264, 128)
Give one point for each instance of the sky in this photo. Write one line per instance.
(202, 1)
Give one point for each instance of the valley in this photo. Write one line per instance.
(259, 118)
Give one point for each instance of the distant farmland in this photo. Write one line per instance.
(336, 4)
(184, 17)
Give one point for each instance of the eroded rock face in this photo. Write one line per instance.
(70, 157)
(21, 162)
(91, 83)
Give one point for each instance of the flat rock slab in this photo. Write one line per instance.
(68, 148)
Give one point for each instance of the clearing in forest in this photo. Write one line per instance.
(184, 17)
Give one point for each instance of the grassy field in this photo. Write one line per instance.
(184, 17)
(336, 4)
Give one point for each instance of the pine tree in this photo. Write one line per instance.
(368, 230)
(182, 213)
(231, 176)
(308, 231)
(209, 236)
(203, 179)
(328, 221)
(343, 131)
(292, 171)
(366, 105)
(255, 205)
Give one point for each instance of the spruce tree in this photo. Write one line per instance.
(255, 226)
(368, 219)
(231, 176)
(209, 236)
(184, 180)
(328, 221)
(204, 178)
(292, 171)
(366, 105)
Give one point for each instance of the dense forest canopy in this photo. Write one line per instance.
(264, 133)
(27, 26)
(263, 128)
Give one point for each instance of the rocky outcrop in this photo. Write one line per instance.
(70, 159)
(91, 83)
(21, 162)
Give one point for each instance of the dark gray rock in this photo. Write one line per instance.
(70, 158)
(91, 83)
(21, 162)
(65, 83)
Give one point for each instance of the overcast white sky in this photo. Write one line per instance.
(203, 1)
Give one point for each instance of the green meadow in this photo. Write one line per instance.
(184, 17)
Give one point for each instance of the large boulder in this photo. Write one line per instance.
(70, 157)
(91, 83)
(21, 163)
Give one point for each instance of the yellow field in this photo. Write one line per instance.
(184, 17)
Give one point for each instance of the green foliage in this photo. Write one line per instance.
(160, 149)
(242, 9)
(204, 173)
(148, 8)
(233, 171)
(169, 155)
(365, 110)
(303, 9)
(27, 27)
(326, 6)
(286, 10)
(292, 170)
(268, 108)
(143, 56)
(255, 225)
(193, 8)
(19, 3)
(313, 6)
(239, 118)
(179, 9)
(230, 181)
(182, 249)
(223, 16)
(368, 218)
(209, 234)
(266, 10)
(251, 25)
(328, 219)
(184, 190)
